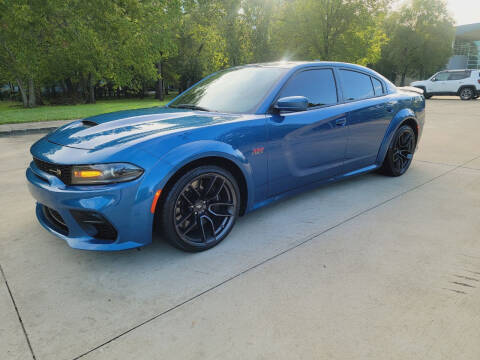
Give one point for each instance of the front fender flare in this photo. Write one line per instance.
(182, 155)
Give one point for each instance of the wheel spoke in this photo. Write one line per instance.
(216, 212)
(186, 198)
(218, 190)
(210, 187)
(202, 229)
(185, 218)
(190, 228)
(202, 219)
(195, 191)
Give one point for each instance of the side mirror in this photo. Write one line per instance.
(292, 103)
(434, 79)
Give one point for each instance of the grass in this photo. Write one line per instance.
(14, 112)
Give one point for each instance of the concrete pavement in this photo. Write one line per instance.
(368, 268)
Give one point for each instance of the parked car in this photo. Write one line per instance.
(463, 83)
(236, 141)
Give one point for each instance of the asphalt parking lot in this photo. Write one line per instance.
(369, 268)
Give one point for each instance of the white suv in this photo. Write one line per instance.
(464, 83)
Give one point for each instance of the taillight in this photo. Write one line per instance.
(478, 81)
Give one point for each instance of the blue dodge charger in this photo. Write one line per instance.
(238, 140)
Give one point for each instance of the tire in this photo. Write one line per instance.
(466, 93)
(400, 152)
(200, 209)
(425, 94)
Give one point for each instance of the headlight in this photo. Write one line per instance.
(104, 173)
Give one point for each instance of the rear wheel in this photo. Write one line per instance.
(467, 94)
(200, 209)
(400, 152)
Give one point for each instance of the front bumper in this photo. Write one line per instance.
(118, 204)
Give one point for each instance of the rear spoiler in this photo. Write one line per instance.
(412, 89)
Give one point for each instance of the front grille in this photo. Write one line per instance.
(63, 172)
(55, 220)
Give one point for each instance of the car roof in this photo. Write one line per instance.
(300, 64)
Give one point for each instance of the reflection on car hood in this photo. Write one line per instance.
(126, 126)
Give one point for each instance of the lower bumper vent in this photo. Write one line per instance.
(55, 220)
(95, 225)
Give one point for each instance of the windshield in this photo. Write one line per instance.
(234, 90)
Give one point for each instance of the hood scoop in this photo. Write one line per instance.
(89, 123)
(129, 126)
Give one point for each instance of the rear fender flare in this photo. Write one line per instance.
(402, 116)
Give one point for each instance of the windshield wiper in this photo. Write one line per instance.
(189, 106)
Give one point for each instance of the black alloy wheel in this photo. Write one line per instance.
(201, 208)
(400, 153)
(466, 94)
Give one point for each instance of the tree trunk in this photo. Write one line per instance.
(31, 94)
(159, 85)
(12, 90)
(91, 90)
(22, 93)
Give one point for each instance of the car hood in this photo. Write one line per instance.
(123, 127)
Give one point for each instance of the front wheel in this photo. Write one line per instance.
(400, 152)
(200, 209)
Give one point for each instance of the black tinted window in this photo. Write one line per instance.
(237, 90)
(459, 75)
(318, 86)
(356, 86)
(377, 86)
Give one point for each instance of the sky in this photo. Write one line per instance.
(463, 11)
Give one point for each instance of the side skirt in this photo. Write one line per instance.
(312, 186)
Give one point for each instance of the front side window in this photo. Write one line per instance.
(356, 86)
(239, 90)
(442, 76)
(318, 86)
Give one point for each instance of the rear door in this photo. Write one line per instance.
(307, 146)
(457, 79)
(370, 113)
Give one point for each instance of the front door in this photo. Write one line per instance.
(438, 83)
(308, 146)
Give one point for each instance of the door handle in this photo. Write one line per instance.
(341, 122)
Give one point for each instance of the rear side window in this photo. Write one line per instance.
(318, 86)
(459, 75)
(356, 86)
(378, 87)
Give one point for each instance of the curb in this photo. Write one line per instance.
(26, 131)
(31, 128)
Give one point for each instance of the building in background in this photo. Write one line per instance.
(466, 48)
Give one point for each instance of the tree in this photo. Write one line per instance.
(421, 36)
(22, 46)
(346, 30)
